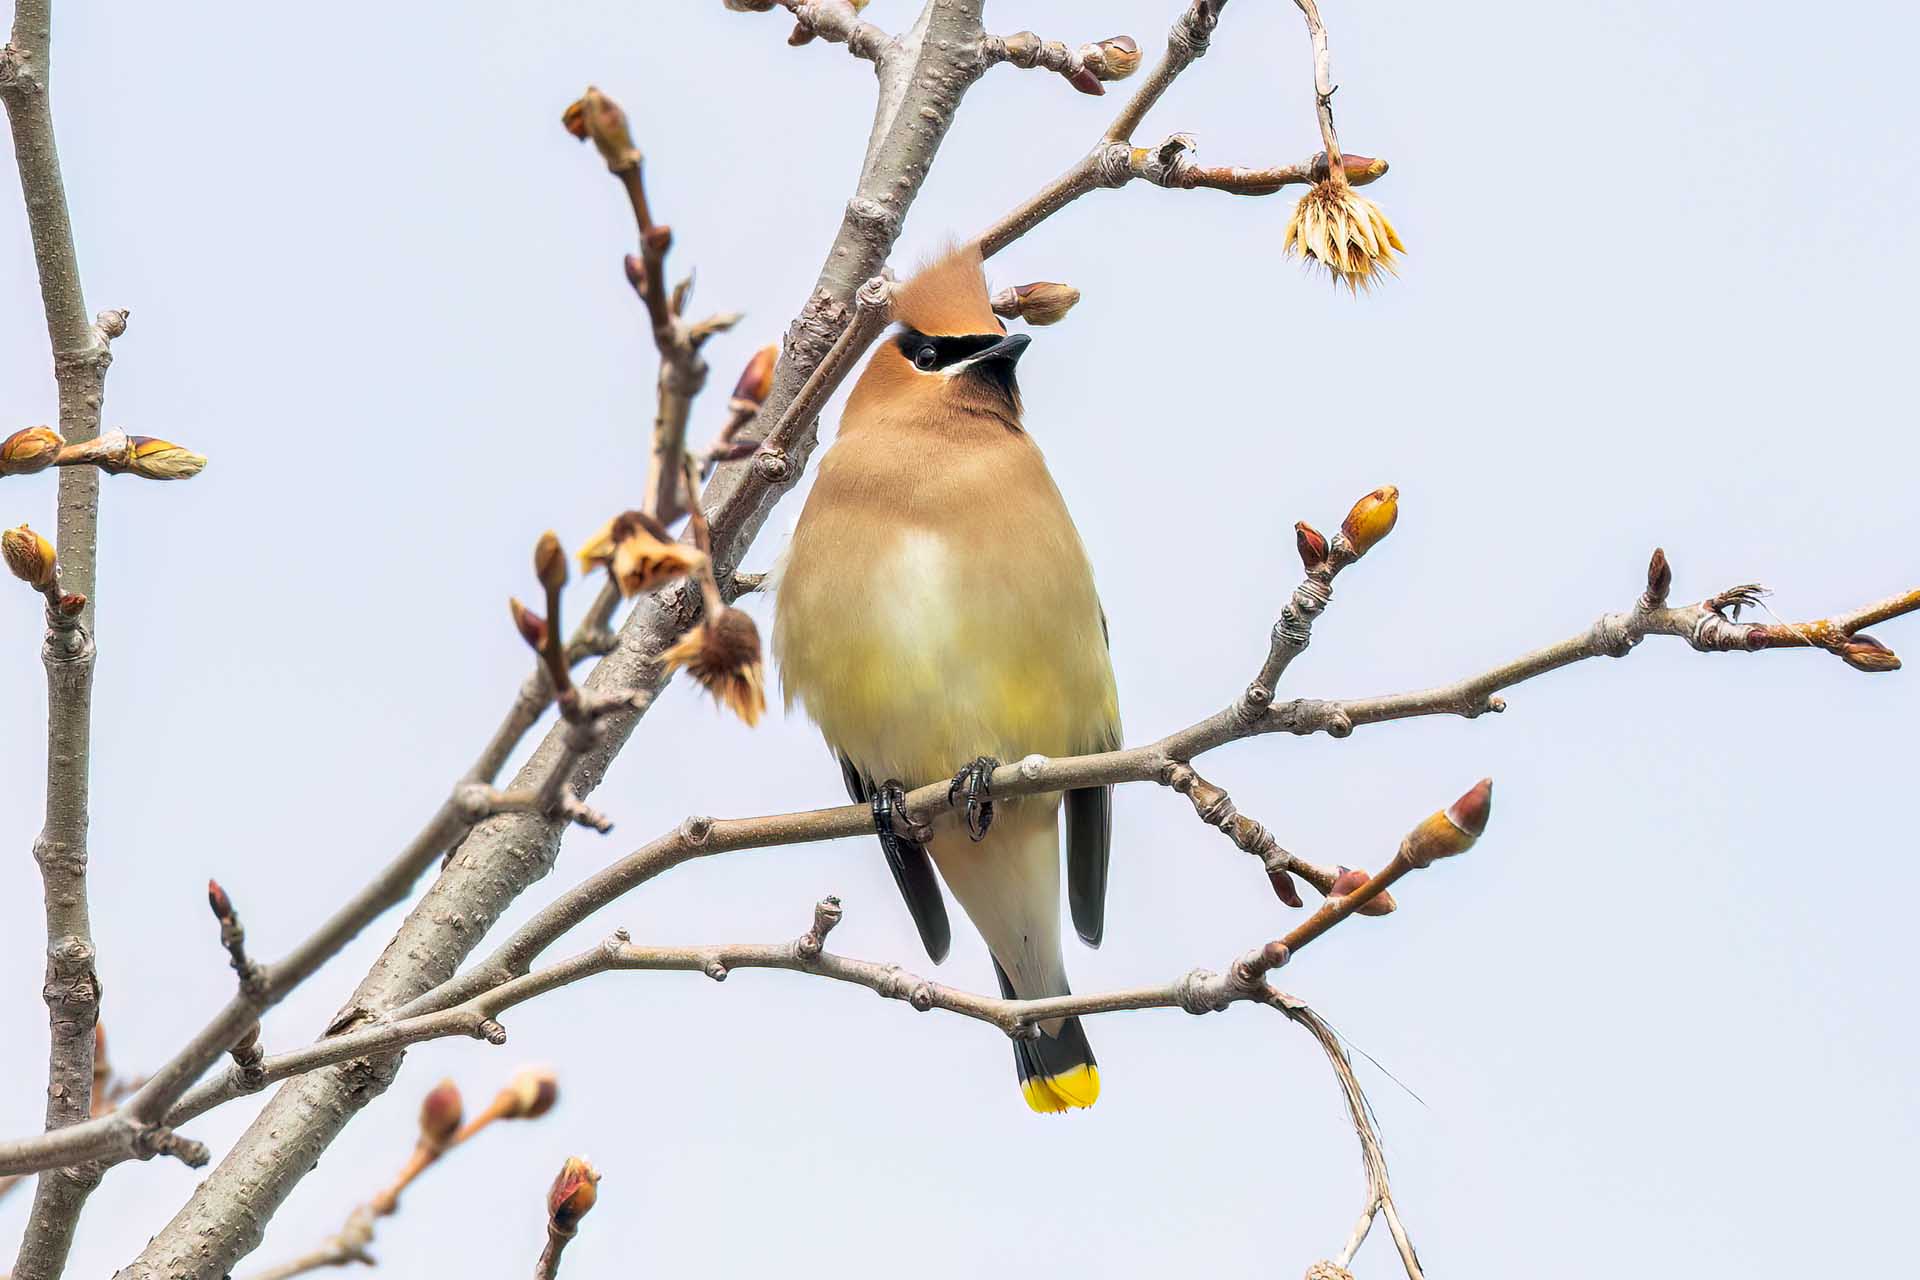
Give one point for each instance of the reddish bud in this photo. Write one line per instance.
(1312, 545)
(440, 1114)
(1659, 577)
(756, 380)
(71, 605)
(572, 1195)
(1349, 879)
(1864, 653)
(1283, 887)
(1086, 82)
(1471, 811)
(218, 900)
(532, 627)
(529, 1095)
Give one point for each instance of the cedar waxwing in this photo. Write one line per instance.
(936, 607)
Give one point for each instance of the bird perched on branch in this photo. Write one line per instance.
(937, 607)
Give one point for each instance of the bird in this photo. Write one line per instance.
(936, 611)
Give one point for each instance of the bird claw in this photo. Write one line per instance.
(975, 783)
(888, 804)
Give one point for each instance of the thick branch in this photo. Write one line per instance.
(923, 77)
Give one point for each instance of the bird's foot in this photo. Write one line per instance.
(975, 784)
(889, 805)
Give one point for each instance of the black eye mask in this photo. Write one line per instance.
(929, 353)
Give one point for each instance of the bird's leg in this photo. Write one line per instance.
(890, 802)
(975, 783)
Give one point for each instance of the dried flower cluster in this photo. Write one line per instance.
(639, 553)
(1336, 228)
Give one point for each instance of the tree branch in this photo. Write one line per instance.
(922, 76)
(80, 358)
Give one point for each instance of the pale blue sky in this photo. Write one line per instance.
(1658, 293)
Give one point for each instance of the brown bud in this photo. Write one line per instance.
(751, 6)
(1360, 169)
(1115, 58)
(248, 1041)
(29, 556)
(1371, 519)
(1471, 811)
(218, 900)
(594, 115)
(71, 605)
(162, 459)
(1864, 653)
(1452, 831)
(529, 1095)
(1086, 82)
(1659, 577)
(1349, 879)
(1312, 545)
(572, 1195)
(550, 561)
(440, 1113)
(723, 654)
(1283, 887)
(1044, 301)
(29, 450)
(102, 1072)
(531, 626)
(756, 380)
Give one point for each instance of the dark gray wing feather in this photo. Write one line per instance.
(912, 872)
(1089, 838)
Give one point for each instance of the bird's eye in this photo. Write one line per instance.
(925, 357)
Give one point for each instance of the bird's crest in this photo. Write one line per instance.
(948, 296)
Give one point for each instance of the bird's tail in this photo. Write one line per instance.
(1056, 1068)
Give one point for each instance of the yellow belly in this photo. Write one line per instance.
(929, 653)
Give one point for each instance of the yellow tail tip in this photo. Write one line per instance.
(1079, 1087)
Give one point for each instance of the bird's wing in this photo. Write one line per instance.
(1089, 841)
(912, 871)
(1089, 838)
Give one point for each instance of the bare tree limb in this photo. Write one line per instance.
(81, 355)
(923, 76)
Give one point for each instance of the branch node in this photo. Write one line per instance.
(715, 970)
(695, 831)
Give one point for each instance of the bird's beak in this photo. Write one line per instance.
(995, 364)
(1006, 351)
